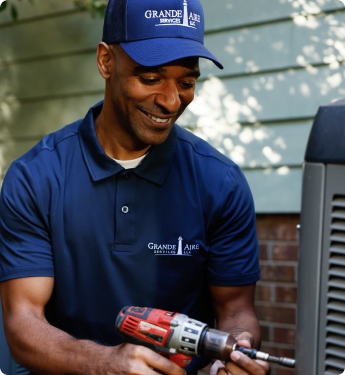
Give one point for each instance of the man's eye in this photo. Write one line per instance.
(188, 84)
(149, 80)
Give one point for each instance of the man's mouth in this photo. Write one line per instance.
(157, 119)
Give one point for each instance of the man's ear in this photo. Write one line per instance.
(104, 60)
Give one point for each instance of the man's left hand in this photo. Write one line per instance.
(239, 363)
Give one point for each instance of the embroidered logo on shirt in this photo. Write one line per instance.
(173, 249)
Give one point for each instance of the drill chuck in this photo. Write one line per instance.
(216, 344)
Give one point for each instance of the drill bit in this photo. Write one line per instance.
(255, 354)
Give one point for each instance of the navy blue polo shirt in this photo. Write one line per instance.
(155, 235)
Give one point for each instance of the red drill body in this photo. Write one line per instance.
(179, 337)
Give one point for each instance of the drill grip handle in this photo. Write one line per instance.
(180, 359)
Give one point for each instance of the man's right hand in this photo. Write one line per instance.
(45, 349)
(136, 359)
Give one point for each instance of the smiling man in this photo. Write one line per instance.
(124, 207)
(141, 103)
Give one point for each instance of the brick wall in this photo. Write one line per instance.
(276, 291)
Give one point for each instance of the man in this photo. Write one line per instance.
(126, 208)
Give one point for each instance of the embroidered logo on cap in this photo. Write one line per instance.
(175, 17)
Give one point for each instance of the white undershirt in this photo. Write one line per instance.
(128, 164)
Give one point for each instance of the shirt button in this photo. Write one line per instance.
(126, 176)
(125, 209)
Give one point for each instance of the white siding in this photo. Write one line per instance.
(282, 60)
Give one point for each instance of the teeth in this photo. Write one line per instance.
(157, 119)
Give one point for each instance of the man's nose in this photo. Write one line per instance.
(169, 97)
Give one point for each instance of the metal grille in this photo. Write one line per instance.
(335, 318)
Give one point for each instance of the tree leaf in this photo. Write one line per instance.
(14, 13)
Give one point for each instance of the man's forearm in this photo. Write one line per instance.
(44, 349)
(242, 322)
(234, 309)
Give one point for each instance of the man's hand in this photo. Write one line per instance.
(138, 360)
(239, 363)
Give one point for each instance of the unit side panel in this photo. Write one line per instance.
(309, 267)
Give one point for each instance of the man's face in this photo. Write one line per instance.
(147, 101)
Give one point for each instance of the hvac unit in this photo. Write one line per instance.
(320, 343)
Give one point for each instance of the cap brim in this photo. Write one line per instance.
(159, 51)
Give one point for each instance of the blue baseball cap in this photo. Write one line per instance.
(156, 32)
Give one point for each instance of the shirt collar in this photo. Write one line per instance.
(154, 167)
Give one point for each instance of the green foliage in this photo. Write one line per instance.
(94, 7)
(10, 7)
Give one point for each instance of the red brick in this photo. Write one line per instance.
(278, 370)
(277, 351)
(281, 231)
(275, 298)
(278, 218)
(271, 272)
(265, 231)
(287, 232)
(278, 314)
(263, 293)
(263, 251)
(283, 371)
(285, 251)
(277, 227)
(286, 293)
(265, 333)
(284, 335)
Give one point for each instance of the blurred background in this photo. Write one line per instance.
(282, 60)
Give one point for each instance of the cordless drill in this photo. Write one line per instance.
(179, 337)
